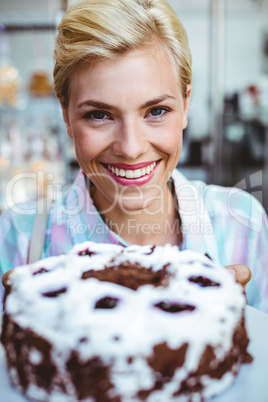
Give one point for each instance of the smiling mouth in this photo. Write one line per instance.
(132, 174)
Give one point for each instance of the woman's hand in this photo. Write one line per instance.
(241, 273)
(6, 285)
(5, 278)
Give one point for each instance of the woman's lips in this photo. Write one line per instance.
(132, 175)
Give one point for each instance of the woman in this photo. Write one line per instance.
(123, 77)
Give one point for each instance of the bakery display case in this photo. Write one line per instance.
(31, 153)
(212, 151)
(33, 150)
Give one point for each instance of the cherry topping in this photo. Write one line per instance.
(40, 271)
(83, 339)
(203, 282)
(86, 252)
(171, 307)
(157, 279)
(107, 303)
(55, 293)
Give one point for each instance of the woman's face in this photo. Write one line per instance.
(126, 117)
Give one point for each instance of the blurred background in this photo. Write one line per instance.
(226, 141)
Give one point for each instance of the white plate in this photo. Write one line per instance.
(251, 384)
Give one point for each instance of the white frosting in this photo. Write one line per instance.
(135, 325)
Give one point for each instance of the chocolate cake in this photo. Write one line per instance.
(107, 323)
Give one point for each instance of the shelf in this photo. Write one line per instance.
(18, 27)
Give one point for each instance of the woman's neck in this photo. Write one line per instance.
(144, 229)
(158, 224)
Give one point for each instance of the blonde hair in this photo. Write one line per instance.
(93, 30)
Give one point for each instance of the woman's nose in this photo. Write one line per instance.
(130, 140)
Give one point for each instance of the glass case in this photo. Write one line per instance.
(226, 137)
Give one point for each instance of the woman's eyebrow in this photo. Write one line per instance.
(107, 106)
(157, 100)
(95, 103)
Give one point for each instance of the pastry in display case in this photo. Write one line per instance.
(40, 84)
(10, 81)
(9, 85)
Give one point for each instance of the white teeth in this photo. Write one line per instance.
(129, 174)
(137, 173)
(132, 174)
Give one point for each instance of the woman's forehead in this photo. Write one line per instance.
(140, 70)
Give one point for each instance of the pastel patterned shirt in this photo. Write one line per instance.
(228, 224)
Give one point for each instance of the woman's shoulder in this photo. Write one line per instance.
(18, 217)
(15, 233)
(231, 203)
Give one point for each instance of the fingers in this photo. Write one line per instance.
(241, 273)
(5, 282)
(5, 278)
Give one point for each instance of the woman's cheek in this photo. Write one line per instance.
(82, 151)
(170, 144)
(85, 146)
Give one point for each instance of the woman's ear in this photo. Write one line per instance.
(186, 106)
(65, 114)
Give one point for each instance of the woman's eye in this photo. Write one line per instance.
(158, 111)
(96, 115)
